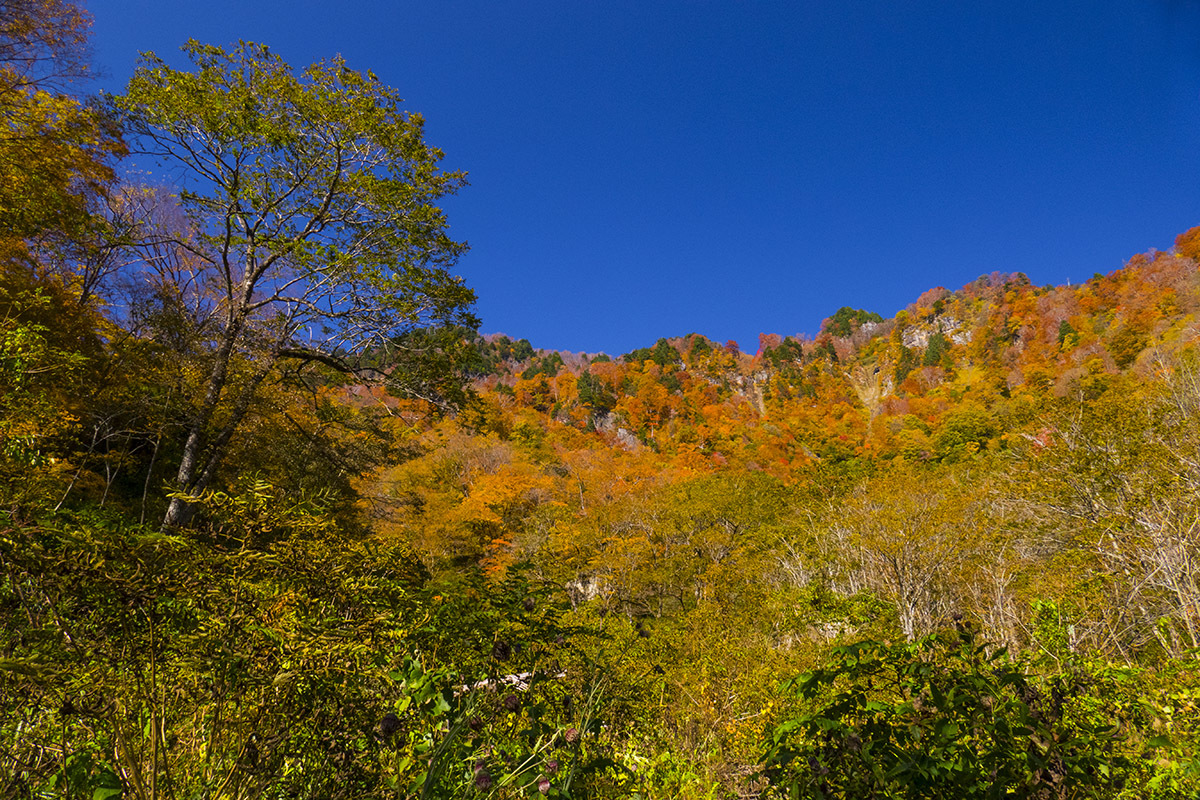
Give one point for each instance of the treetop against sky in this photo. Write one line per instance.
(641, 170)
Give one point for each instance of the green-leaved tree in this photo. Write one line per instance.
(312, 200)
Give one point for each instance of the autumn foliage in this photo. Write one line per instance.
(950, 553)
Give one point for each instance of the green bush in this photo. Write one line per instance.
(943, 718)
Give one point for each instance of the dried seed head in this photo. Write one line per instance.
(571, 735)
(528, 604)
(512, 702)
(502, 651)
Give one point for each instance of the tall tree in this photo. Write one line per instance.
(312, 199)
(54, 149)
(55, 157)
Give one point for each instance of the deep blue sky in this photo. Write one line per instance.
(652, 168)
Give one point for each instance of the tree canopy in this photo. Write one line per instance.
(314, 230)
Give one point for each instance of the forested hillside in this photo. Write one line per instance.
(277, 521)
(1012, 460)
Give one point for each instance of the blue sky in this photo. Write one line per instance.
(731, 167)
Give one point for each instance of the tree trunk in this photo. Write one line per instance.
(180, 511)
